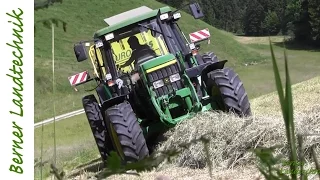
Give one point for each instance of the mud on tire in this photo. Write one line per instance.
(97, 125)
(227, 91)
(126, 133)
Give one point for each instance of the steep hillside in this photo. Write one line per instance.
(84, 17)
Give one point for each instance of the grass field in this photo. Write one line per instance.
(259, 79)
(75, 144)
(84, 18)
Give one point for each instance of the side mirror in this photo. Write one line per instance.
(196, 10)
(80, 51)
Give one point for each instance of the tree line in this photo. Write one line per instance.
(298, 18)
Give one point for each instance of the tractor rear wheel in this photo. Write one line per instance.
(97, 125)
(126, 133)
(227, 92)
(209, 57)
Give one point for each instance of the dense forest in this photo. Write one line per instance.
(298, 18)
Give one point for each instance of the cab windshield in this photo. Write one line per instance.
(137, 44)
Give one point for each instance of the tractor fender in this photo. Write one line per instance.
(204, 68)
(212, 67)
(112, 101)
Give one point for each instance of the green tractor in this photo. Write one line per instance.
(149, 78)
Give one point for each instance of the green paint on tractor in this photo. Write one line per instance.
(158, 61)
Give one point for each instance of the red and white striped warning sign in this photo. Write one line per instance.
(78, 78)
(199, 35)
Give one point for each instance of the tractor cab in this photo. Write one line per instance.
(152, 33)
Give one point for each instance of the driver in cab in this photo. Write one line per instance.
(139, 51)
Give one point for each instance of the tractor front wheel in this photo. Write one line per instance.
(125, 132)
(97, 125)
(209, 57)
(227, 92)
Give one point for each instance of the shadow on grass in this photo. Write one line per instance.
(294, 45)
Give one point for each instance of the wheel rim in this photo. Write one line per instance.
(116, 141)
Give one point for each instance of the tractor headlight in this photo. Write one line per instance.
(109, 36)
(164, 16)
(175, 77)
(158, 84)
(176, 15)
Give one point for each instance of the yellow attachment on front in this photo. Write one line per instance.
(94, 60)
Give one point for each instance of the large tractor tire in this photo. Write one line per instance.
(227, 92)
(209, 57)
(125, 133)
(95, 119)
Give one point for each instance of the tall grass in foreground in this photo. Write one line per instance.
(268, 163)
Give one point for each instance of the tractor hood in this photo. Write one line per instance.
(158, 63)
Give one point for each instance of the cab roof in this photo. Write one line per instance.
(121, 20)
